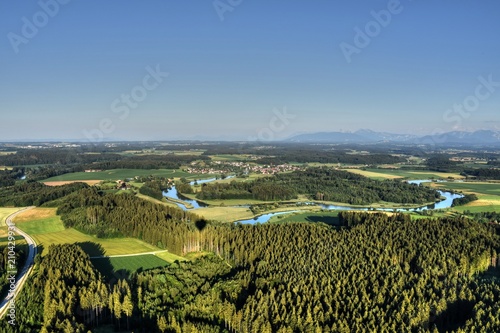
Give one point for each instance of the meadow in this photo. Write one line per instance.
(46, 228)
(410, 173)
(488, 195)
(124, 266)
(225, 214)
(116, 174)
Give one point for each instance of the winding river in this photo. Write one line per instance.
(446, 203)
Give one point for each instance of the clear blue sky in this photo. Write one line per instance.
(228, 78)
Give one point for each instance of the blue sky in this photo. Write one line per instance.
(246, 69)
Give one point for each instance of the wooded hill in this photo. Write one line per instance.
(325, 184)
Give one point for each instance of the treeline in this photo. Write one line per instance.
(9, 177)
(154, 186)
(67, 294)
(324, 184)
(108, 215)
(169, 161)
(280, 153)
(51, 162)
(483, 173)
(35, 194)
(12, 258)
(464, 200)
(381, 274)
(442, 163)
(265, 190)
(60, 156)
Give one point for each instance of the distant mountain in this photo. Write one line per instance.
(368, 136)
(480, 137)
(360, 136)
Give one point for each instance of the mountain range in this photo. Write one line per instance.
(480, 137)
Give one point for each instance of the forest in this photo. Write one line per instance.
(483, 174)
(34, 193)
(323, 184)
(370, 272)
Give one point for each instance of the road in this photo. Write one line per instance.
(26, 269)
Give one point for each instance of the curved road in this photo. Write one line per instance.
(26, 269)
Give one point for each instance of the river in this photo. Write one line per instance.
(446, 203)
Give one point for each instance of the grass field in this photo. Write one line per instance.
(110, 246)
(472, 187)
(39, 221)
(64, 182)
(224, 214)
(330, 218)
(414, 174)
(127, 265)
(46, 228)
(229, 157)
(116, 174)
(488, 195)
(372, 174)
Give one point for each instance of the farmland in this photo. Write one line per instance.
(109, 267)
(488, 195)
(47, 228)
(116, 174)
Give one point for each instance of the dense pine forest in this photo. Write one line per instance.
(367, 272)
(378, 273)
(323, 184)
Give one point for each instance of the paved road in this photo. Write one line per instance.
(25, 270)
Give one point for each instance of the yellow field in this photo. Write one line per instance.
(35, 214)
(224, 214)
(439, 174)
(3, 167)
(372, 174)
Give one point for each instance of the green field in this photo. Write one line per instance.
(473, 187)
(224, 214)
(52, 231)
(127, 265)
(116, 174)
(110, 246)
(330, 218)
(488, 195)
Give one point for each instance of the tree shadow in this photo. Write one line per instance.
(330, 220)
(455, 316)
(92, 249)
